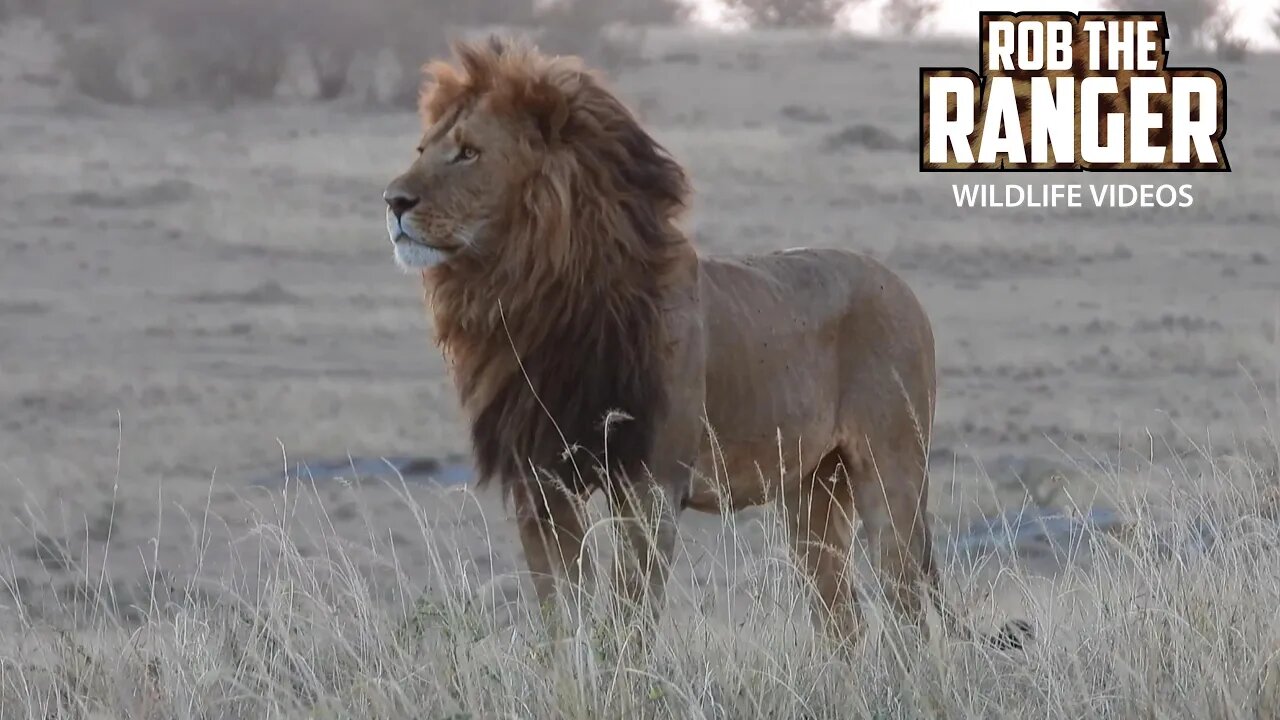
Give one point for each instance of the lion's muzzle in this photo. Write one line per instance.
(412, 252)
(394, 230)
(399, 202)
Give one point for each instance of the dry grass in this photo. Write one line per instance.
(1172, 615)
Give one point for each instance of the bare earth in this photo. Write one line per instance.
(193, 300)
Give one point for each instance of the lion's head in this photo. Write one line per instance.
(510, 138)
(542, 217)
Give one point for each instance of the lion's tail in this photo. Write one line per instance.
(1013, 636)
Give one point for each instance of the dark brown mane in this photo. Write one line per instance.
(564, 325)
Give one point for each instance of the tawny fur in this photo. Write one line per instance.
(568, 293)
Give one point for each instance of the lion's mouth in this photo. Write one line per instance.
(407, 239)
(399, 235)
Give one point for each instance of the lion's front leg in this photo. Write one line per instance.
(647, 512)
(550, 521)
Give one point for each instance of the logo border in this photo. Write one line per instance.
(981, 78)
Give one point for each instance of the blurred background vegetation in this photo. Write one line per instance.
(369, 51)
(222, 51)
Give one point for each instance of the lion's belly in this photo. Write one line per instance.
(732, 475)
(739, 475)
(769, 421)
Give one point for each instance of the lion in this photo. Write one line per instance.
(594, 349)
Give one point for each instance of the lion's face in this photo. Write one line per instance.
(469, 163)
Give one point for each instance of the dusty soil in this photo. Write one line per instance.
(192, 301)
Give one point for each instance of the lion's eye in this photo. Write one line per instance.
(466, 152)
(421, 149)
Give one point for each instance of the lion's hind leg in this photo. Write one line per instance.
(890, 490)
(818, 513)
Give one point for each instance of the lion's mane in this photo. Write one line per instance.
(562, 325)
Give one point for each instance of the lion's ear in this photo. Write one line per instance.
(478, 60)
(498, 45)
(549, 106)
(441, 87)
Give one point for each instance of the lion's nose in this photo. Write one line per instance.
(399, 201)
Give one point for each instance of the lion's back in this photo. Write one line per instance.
(808, 285)
(784, 320)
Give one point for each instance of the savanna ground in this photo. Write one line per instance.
(195, 300)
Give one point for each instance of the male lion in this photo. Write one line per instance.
(594, 349)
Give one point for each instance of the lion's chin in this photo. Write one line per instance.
(413, 255)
